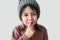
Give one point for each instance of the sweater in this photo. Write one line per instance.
(40, 33)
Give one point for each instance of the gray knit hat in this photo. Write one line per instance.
(23, 3)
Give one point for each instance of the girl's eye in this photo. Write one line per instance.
(34, 14)
(25, 14)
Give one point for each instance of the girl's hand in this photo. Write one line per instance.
(30, 30)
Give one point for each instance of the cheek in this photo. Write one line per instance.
(35, 18)
(24, 20)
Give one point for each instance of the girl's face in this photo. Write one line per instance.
(29, 16)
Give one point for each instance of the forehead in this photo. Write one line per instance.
(27, 9)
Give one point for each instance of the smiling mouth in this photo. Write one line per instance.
(31, 23)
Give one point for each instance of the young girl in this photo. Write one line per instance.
(29, 12)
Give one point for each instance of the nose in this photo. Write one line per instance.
(30, 18)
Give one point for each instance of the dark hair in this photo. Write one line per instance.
(32, 7)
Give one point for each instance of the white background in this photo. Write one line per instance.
(50, 13)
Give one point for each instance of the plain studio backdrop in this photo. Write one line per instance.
(50, 13)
